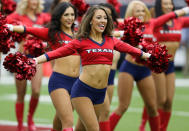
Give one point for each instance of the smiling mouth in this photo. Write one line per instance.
(102, 27)
(141, 17)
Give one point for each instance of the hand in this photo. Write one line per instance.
(36, 61)
(186, 10)
(146, 55)
(140, 46)
(10, 27)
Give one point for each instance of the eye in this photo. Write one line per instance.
(66, 14)
(98, 17)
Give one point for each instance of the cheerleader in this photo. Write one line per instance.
(131, 71)
(95, 46)
(104, 117)
(29, 13)
(169, 35)
(65, 70)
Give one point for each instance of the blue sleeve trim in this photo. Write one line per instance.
(176, 15)
(24, 29)
(47, 57)
(141, 53)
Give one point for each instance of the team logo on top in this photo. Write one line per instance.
(99, 50)
(64, 41)
(170, 31)
(149, 36)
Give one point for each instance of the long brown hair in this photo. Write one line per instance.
(85, 27)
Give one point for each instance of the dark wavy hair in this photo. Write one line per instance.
(159, 11)
(113, 11)
(53, 5)
(85, 27)
(55, 23)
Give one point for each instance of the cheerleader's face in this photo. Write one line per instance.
(139, 12)
(99, 21)
(33, 4)
(68, 17)
(167, 6)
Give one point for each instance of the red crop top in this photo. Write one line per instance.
(42, 33)
(153, 24)
(174, 32)
(41, 19)
(92, 52)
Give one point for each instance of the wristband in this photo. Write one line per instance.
(24, 29)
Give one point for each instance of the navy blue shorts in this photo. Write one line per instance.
(58, 80)
(138, 72)
(111, 77)
(81, 89)
(171, 68)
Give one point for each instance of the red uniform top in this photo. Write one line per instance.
(174, 32)
(42, 33)
(41, 19)
(92, 52)
(153, 24)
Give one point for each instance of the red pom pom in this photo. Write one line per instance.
(120, 26)
(81, 6)
(2, 19)
(8, 6)
(117, 5)
(5, 41)
(132, 31)
(6, 45)
(159, 60)
(34, 46)
(20, 64)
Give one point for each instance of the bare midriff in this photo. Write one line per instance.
(69, 66)
(95, 76)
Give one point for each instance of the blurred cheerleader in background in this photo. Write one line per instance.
(28, 13)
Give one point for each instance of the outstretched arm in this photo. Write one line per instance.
(161, 20)
(41, 33)
(126, 48)
(63, 51)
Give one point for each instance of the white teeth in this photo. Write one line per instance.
(101, 25)
(141, 17)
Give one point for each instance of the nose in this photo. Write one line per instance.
(169, 6)
(104, 20)
(70, 17)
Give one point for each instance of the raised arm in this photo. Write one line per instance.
(161, 20)
(41, 33)
(63, 51)
(126, 48)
